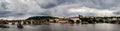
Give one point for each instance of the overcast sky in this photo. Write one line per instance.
(21, 9)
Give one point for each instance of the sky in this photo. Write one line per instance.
(22, 9)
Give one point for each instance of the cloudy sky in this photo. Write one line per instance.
(21, 9)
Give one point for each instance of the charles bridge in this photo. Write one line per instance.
(24, 22)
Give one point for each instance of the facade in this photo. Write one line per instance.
(63, 20)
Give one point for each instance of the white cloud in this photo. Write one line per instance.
(26, 8)
(96, 12)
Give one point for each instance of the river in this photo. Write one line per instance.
(66, 27)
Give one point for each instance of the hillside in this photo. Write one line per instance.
(40, 18)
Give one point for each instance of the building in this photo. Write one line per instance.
(75, 19)
(63, 20)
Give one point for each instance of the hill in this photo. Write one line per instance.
(41, 18)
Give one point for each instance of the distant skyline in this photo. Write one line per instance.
(22, 9)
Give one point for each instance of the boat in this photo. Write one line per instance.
(19, 26)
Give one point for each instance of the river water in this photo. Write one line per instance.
(66, 27)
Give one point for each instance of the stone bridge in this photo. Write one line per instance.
(24, 22)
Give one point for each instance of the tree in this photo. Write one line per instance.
(41, 18)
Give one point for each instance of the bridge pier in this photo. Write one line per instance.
(31, 22)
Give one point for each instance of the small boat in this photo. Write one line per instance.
(4, 26)
(19, 26)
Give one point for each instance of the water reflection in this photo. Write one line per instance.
(66, 27)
